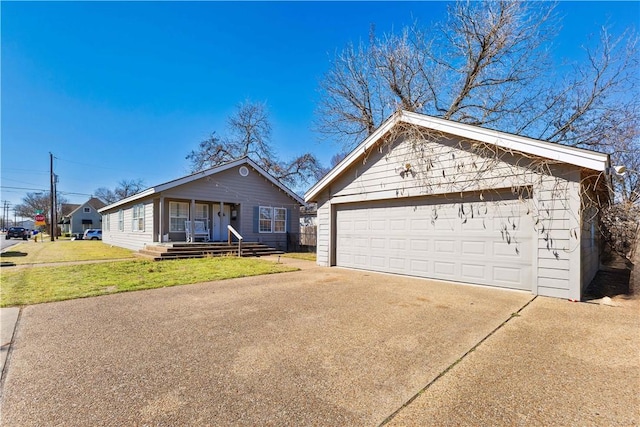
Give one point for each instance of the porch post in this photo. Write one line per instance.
(192, 213)
(161, 219)
(222, 232)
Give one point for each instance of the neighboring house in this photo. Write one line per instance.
(78, 218)
(433, 198)
(239, 193)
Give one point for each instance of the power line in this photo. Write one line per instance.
(22, 188)
(25, 170)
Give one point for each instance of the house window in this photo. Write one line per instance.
(266, 217)
(138, 218)
(279, 220)
(121, 220)
(202, 213)
(272, 220)
(178, 214)
(106, 223)
(87, 210)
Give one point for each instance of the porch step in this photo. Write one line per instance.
(201, 250)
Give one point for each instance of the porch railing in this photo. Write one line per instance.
(230, 231)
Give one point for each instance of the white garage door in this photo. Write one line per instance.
(467, 240)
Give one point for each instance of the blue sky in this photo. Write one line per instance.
(124, 90)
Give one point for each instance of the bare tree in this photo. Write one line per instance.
(39, 202)
(124, 189)
(249, 135)
(487, 65)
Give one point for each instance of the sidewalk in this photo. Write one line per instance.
(8, 320)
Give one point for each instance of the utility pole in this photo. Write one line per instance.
(5, 214)
(55, 204)
(53, 208)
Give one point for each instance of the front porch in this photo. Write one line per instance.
(183, 250)
(176, 220)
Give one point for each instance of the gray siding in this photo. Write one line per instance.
(79, 215)
(128, 238)
(448, 167)
(244, 194)
(247, 192)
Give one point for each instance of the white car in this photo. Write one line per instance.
(92, 234)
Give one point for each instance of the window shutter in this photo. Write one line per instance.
(256, 219)
(289, 223)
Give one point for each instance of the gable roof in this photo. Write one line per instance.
(575, 156)
(94, 202)
(68, 208)
(202, 174)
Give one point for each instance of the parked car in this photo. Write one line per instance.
(18, 232)
(92, 234)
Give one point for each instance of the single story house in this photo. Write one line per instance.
(239, 193)
(78, 218)
(432, 198)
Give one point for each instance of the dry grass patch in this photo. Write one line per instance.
(33, 285)
(308, 256)
(63, 251)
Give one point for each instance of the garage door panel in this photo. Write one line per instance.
(474, 225)
(358, 225)
(446, 269)
(474, 272)
(445, 246)
(507, 275)
(360, 260)
(419, 267)
(378, 261)
(378, 225)
(397, 263)
(395, 243)
(397, 224)
(419, 224)
(435, 239)
(507, 251)
(474, 247)
(378, 243)
(420, 245)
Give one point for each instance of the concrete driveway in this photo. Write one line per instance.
(314, 347)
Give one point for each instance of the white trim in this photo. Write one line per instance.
(554, 151)
(121, 220)
(274, 220)
(137, 216)
(270, 209)
(198, 175)
(180, 218)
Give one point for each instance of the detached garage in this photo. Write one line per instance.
(431, 198)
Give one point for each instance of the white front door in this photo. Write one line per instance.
(221, 219)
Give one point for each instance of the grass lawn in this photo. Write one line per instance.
(309, 256)
(33, 285)
(62, 250)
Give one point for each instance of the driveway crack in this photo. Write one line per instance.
(448, 368)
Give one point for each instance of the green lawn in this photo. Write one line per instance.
(33, 285)
(61, 251)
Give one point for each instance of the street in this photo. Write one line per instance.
(8, 243)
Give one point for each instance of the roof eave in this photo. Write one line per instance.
(553, 151)
(203, 174)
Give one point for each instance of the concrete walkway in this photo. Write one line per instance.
(8, 321)
(324, 347)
